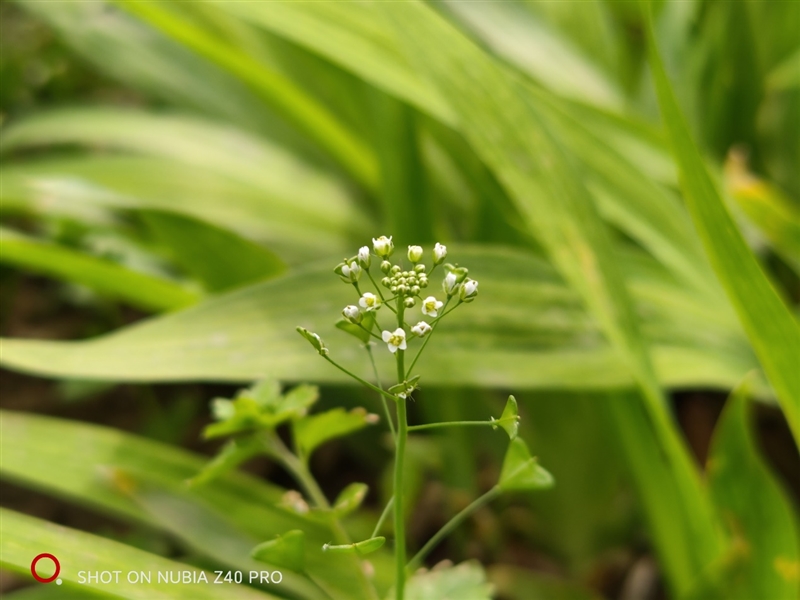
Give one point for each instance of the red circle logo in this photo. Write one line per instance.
(42, 579)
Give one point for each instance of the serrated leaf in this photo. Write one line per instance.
(287, 550)
(521, 471)
(317, 429)
(350, 499)
(359, 548)
(466, 581)
(509, 420)
(229, 457)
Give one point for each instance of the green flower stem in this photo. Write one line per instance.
(427, 339)
(299, 471)
(369, 332)
(494, 423)
(357, 378)
(399, 466)
(387, 509)
(451, 525)
(377, 287)
(386, 410)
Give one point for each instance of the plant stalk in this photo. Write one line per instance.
(399, 466)
(451, 525)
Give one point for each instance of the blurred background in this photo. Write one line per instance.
(179, 179)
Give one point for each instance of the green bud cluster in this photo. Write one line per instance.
(406, 284)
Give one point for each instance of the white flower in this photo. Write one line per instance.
(350, 272)
(364, 257)
(439, 253)
(414, 253)
(431, 306)
(369, 301)
(396, 340)
(450, 283)
(421, 329)
(468, 291)
(383, 246)
(352, 314)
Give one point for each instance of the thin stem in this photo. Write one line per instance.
(450, 526)
(427, 339)
(357, 378)
(494, 423)
(369, 332)
(386, 510)
(399, 467)
(377, 287)
(386, 410)
(298, 469)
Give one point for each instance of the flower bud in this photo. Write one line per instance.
(314, 340)
(415, 289)
(414, 253)
(364, 257)
(468, 290)
(383, 246)
(386, 266)
(450, 284)
(421, 329)
(409, 302)
(395, 270)
(419, 268)
(386, 282)
(439, 253)
(349, 271)
(352, 314)
(460, 272)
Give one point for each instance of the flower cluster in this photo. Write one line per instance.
(404, 287)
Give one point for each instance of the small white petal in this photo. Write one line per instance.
(386, 336)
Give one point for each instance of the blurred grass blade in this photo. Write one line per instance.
(128, 51)
(217, 257)
(764, 558)
(23, 537)
(288, 99)
(546, 341)
(515, 32)
(137, 479)
(105, 277)
(771, 328)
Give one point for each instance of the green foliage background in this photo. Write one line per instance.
(621, 178)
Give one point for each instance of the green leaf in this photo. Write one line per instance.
(360, 333)
(105, 277)
(509, 420)
(521, 471)
(202, 168)
(288, 99)
(287, 550)
(260, 407)
(314, 430)
(546, 341)
(772, 329)
(466, 581)
(219, 258)
(232, 454)
(349, 499)
(23, 537)
(763, 559)
(359, 548)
